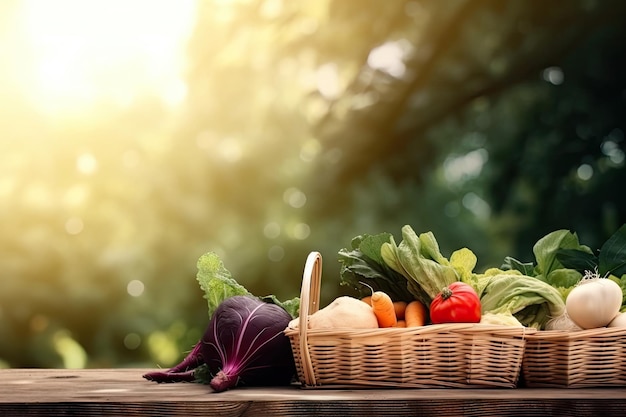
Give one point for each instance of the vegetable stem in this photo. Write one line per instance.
(222, 382)
(446, 293)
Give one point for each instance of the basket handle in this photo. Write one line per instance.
(309, 304)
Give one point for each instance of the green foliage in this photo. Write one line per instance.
(611, 259)
(216, 281)
(363, 263)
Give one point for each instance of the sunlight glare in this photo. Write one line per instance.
(78, 53)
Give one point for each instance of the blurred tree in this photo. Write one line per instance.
(391, 98)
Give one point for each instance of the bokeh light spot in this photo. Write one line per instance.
(585, 172)
(135, 288)
(271, 230)
(301, 231)
(86, 164)
(163, 348)
(389, 58)
(328, 81)
(71, 352)
(479, 207)
(74, 225)
(310, 149)
(553, 75)
(276, 253)
(132, 341)
(294, 197)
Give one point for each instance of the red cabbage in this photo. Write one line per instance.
(244, 344)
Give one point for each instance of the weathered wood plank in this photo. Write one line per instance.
(108, 392)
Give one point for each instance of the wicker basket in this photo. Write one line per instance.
(578, 359)
(432, 356)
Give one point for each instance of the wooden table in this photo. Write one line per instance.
(123, 392)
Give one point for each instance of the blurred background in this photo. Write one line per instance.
(137, 135)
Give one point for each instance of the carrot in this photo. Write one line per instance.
(399, 307)
(401, 323)
(383, 307)
(415, 314)
(384, 310)
(367, 299)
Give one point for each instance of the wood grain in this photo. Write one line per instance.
(114, 392)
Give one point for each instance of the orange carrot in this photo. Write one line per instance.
(415, 314)
(384, 310)
(367, 299)
(399, 307)
(401, 323)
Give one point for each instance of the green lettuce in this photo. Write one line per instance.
(218, 284)
(531, 301)
(549, 267)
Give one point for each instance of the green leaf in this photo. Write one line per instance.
(216, 281)
(218, 284)
(364, 263)
(545, 250)
(526, 268)
(392, 258)
(429, 247)
(530, 300)
(292, 306)
(413, 258)
(564, 278)
(464, 261)
(612, 258)
(370, 246)
(577, 259)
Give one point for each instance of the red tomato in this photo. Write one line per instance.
(457, 303)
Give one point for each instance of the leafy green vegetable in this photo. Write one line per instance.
(216, 281)
(218, 284)
(512, 264)
(363, 263)
(531, 301)
(292, 306)
(550, 267)
(420, 261)
(610, 261)
(578, 260)
(464, 261)
(547, 248)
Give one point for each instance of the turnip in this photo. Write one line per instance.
(244, 344)
(594, 302)
(342, 312)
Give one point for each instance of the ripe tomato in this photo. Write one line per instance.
(457, 303)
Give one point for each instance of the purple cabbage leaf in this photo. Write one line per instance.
(244, 344)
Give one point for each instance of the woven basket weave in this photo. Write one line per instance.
(578, 359)
(431, 356)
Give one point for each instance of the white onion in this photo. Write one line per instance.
(594, 302)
